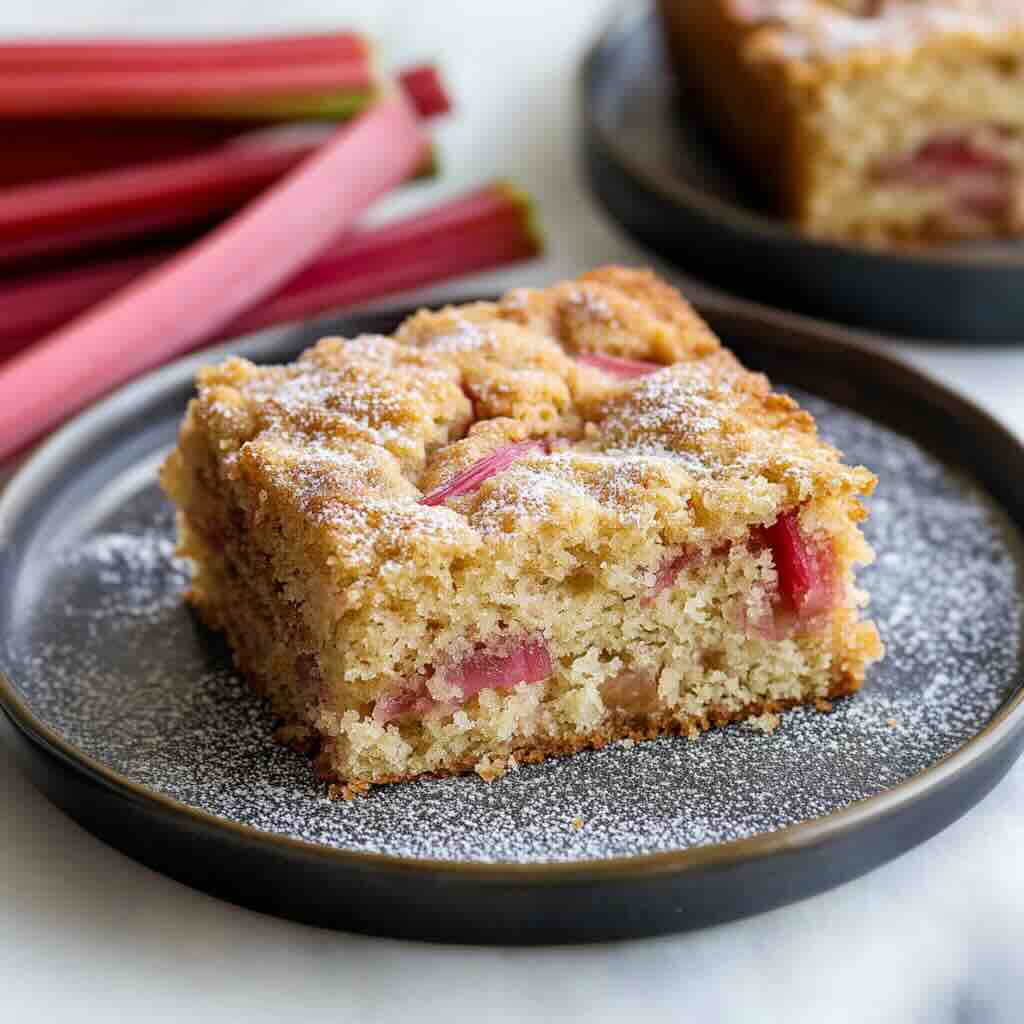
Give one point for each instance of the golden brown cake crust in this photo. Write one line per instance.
(637, 731)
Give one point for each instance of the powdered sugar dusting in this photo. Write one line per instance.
(112, 660)
(809, 29)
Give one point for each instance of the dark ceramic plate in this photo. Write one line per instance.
(653, 162)
(129, 717)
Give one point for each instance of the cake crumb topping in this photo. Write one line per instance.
(360, 431)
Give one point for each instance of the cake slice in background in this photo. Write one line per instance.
(878, 121)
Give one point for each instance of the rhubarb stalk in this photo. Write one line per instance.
(490, 227)
(180, 303)
(40, 150)
(61, 93)
(148, 54)
(69, 213)
(46, 148)
(74, 212)
(32, 307)
(424, 87)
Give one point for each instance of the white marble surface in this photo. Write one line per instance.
(88, 935)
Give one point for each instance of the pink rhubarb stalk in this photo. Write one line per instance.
(179, 304)
(489, 227)
(36, 305)
(617, 366)
(471, 479)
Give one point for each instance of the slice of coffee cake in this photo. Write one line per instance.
(517, 529)
(889, 122)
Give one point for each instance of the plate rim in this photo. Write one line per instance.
(679, 192)
(999, 732)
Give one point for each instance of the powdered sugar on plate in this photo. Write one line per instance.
(112, 660)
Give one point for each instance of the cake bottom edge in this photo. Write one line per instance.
(636, 730)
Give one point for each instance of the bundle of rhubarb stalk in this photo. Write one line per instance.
(156, 196)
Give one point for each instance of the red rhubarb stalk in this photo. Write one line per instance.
(68, 213)
(489, 227)
(150, 54)
(422, 85)
(349, 281)
(66, 93)
(181, 303)
(39, 150)
(617, 366)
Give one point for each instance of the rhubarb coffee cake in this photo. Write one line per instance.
(882, 121)
(520, 528)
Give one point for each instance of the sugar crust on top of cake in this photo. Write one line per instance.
(822, 30)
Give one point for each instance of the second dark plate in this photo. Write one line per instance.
(653, 163)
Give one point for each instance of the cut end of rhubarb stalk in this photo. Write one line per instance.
(423, 85)
(521, 200)
(471, 479)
